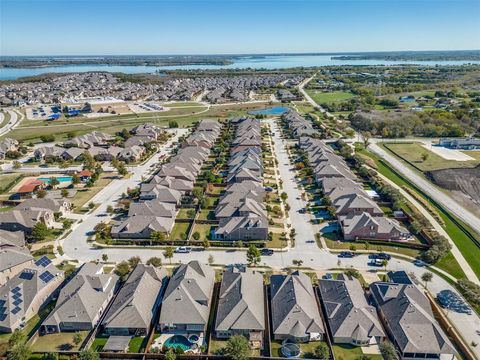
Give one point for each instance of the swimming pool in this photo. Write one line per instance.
(59, 178)
(178, 341)
(272, 111)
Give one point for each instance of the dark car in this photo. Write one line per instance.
(266, 252)
(384, 256)
(346, 254)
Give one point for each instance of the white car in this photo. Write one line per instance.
(182, 250)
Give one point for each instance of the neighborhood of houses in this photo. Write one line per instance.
(359, 216)
(174, 311)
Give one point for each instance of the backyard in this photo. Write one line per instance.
(59, 341)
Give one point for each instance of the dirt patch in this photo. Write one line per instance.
(465, 180)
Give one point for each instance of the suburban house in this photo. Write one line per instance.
(30, 187)
(14, 257)
(409, 321)
(350, 318)
(187, 300)
(241, 306)
(366, 226)
(25, 220)
(22, 296)
(137, 302)
(81, 301)
(294, 308)
(60, 207)
(7, 145)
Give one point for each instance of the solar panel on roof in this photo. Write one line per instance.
(43, 261)
(15, 310)
(26, 275)
(17, 302)
(16, 289)
(46, 276)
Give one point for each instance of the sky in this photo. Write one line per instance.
(156, 27)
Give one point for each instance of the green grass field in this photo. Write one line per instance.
(350, 352)
(329, 97)
(179, 231)
(203, 230)
(414, 152)
(7, 181)
(58, 341)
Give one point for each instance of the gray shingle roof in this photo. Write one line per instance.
(134, 305)
(348, 313)
(187, 299)
(294, 307)
(241, 301)
(410, 319)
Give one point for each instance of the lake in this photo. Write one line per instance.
(245, 62)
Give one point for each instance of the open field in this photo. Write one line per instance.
(414, 152)
(31, 131)
(329, 97)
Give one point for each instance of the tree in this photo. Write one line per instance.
(172, 124)
(170, 355)
(133, 262)
(91, 205)
(154, 261)
(122, 269)
(54, 182)
(17, 164)
(17, 337)
(196, 235)
(19, 352)
(105, 257)
(352, 273)
(388, 351)
(322, 351)
(284, 196)
(75, 179)
(366, 135)
(77, 338)
(64, 193)
(41, 193)
(88, 355)
(425, 156)
(168, 253)
(157, 236)
(122, 170)
(253, 255)
(385, 263)
(237, 348)
(40, 231)
(427, 277)
(50, 356)
(88, 161)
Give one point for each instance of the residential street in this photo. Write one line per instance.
(305, 249)
(13, 122)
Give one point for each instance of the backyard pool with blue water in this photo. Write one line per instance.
(59, 178)
(271, 111)
(178, 341)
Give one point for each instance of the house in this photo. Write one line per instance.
(365, 226)
(81, 301)
(160, 192)
(131, 154)
(14, 257)
(85, 175)
(137, 302)
(30, 187)
(22, 296)
(60, 207)
(350, 319)
(141, 227)
(409, 321)
(25, 220)
(241, 306)
(294, 308)
(7, 145)
(187, 300)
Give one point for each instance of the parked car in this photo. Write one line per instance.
(384, 256)
(328, 276)
(266, 252)
(376, 262)
(346, 254)
(302, 211)
(268, 189)
(182, 250)
(419, 263)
